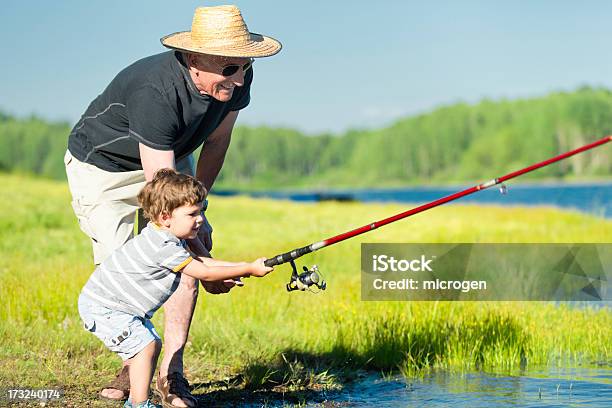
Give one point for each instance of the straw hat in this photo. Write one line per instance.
(221, 30)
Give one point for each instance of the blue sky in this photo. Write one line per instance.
(345, 64)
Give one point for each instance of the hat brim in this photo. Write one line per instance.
(258, 46)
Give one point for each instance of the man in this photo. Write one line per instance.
(153, 115)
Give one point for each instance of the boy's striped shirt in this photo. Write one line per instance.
(140, 275)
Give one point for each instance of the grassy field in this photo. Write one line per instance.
(259, 342)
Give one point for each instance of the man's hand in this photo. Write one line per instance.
(205, 235)
(216, 288)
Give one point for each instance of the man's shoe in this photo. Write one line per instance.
(121, 383)
(174, 386)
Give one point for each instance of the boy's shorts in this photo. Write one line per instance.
(123, 333)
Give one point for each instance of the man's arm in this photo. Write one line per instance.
(153, 160)
(210, 162)
(209, 165)
(214, 150)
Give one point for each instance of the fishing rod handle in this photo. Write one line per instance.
(288, 256)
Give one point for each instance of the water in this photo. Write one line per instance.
(552, 388)
(589, 198)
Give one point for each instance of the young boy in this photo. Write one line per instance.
(119, 299)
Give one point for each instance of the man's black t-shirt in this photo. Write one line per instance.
(154, 102)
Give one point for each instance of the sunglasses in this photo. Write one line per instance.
(229, 70)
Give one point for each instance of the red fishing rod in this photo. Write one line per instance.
(311, 277)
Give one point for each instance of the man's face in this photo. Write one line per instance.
(207, 74)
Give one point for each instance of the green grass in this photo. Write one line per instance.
(260, 339)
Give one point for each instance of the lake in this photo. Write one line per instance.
(582, 387)
(592, 198)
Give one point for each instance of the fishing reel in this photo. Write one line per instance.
(306, 280)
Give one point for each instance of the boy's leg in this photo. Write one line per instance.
(124, 334)
(142, 367)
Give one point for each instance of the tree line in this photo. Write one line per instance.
(456, 143)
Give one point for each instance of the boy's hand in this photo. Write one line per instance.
(259, 269)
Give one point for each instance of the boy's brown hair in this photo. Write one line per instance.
(169, 190)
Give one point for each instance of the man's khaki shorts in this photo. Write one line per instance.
(106, 203)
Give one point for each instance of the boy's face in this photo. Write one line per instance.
(185, 221)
